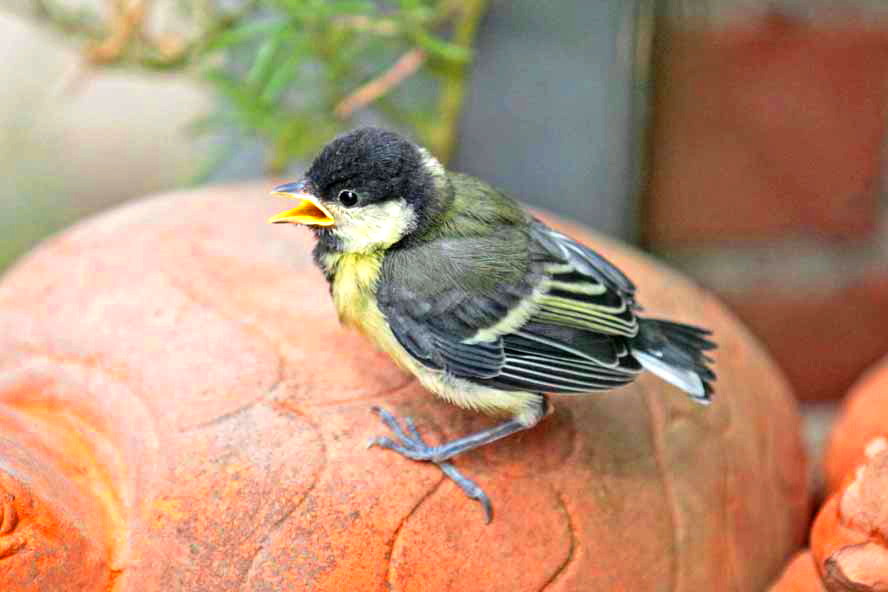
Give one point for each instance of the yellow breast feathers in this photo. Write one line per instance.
(354, 294)
(354, 284)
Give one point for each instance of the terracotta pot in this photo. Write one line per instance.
(848, 538)
(182, 411)
(800, 575)
(864, 419)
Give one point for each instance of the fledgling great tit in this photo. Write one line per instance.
(487, 306)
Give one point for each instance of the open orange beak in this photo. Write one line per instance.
(309, 211)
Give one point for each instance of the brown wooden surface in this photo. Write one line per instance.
(180, 410)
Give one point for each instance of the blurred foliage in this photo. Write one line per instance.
(292, 73)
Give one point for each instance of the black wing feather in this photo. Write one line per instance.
(587, 262)
(478, 361)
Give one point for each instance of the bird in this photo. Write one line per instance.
(487, 306)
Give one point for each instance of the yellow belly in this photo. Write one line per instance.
(354, 289)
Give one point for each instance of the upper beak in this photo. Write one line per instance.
(309, 211)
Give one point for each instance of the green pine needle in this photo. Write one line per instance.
(281, 67)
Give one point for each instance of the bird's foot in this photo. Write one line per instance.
(412, 445)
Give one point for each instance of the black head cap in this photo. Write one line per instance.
(377, 163)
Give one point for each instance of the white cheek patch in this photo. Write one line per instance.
(432, 164)
(375, 226)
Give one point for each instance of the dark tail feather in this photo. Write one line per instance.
(675, 353)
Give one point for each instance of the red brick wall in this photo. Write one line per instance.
(766, 184)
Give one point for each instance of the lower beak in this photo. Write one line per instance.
(309, 211)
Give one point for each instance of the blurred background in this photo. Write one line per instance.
(742, 141)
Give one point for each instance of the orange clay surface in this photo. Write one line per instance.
(180, 410)
(864, 419)
(849, 537)
(800, 575)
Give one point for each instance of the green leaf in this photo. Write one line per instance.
(245, 33)
(245, 102)
(283, 75)
(414, 11)
(353, 7)
(264, 61)
(440, 48)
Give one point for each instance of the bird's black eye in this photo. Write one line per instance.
(348, 198)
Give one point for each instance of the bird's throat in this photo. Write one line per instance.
(353, 278)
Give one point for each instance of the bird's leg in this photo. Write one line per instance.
(469, 487)
(413, 446)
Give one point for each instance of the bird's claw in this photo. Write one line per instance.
(411, 427)
(470, 488)
(391, 421)
(412, 446)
